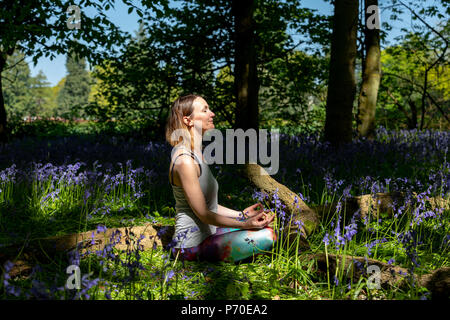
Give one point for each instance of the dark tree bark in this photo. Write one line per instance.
(245, 71)
(371, 79)
(342, 84)
(2, 114)
(413, 123)
(3, 117)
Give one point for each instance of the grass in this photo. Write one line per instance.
(104, 189)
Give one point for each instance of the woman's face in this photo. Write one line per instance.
(203, 114)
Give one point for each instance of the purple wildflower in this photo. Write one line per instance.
(326, 239)
(336, 280)
(370, 245)
(101, 228)
(170, 275)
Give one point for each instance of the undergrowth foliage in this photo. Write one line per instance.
(74, 184)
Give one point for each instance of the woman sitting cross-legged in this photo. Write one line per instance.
(205, 230)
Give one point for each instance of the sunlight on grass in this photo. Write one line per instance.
(40, 199)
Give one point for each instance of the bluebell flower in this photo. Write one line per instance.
(8, 266)
(12, 290)
(93, 238)
(162, 231)
(326, 239)
(336, 280)
(101, 228)
(170, 275)
(374, 243)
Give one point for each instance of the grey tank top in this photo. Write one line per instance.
(189, 230)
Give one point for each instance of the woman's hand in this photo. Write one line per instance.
(253, 210)
(259, 221)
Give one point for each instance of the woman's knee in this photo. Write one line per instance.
(267, 234)
(263, 238)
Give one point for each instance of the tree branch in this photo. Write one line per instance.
(425, 23)
(10, 67)
(398, 104)
(438, 107)
(420, 87)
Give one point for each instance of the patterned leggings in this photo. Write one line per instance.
(230, 244)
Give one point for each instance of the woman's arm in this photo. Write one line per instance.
(251, 211)
(224, 211)
(191, 186)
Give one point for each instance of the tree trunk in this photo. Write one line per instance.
(342, 85)
(422, 106)
(413, 120)
(3, 120)
(3, 117)
(246, 87)
(371, 80)
(245, 72)
(246, 90)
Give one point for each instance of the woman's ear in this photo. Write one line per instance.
(187, 121)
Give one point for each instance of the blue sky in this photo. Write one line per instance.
(55, 69)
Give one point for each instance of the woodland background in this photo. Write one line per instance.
(282, 53)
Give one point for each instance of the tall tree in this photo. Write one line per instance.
(42, 96)
(17, 79)
(342, 84)
(43, 27)
(25, 95)
(74, 94)
(368, 94)
(245, 73)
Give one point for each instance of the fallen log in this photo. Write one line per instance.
(438, 282)
(375, 204)
(354, 267)
(368, 204)
(43, 250)
(293, 205)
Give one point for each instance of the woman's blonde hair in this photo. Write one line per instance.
(176, 129)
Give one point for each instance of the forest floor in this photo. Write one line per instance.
(67, 185)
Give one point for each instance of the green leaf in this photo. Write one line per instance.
(156, 214)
